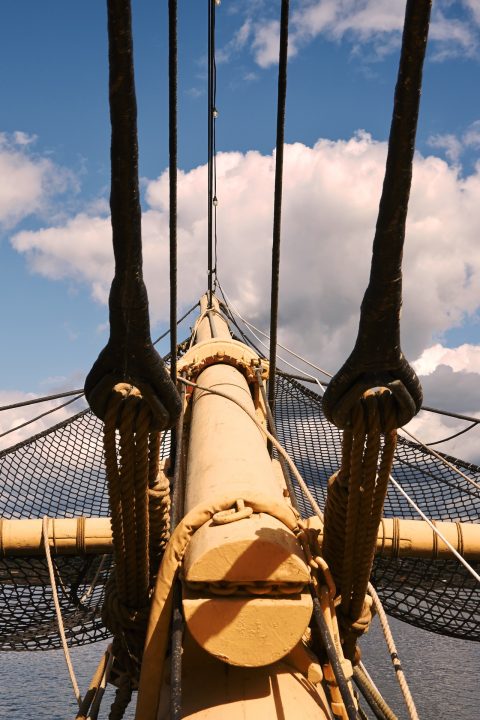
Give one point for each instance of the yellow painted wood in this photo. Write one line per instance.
(213, 690)
(247, 631)
(24, 537)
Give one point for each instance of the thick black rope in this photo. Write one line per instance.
(172, 143)
(211, 149)
(377, 358)
(277, 207)
(172, 136)
(129, 355)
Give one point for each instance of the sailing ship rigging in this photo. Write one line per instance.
(235, 539)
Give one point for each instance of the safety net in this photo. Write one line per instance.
(60, 473)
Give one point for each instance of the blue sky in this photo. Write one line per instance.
(54, 160)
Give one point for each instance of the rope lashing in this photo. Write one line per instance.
(377, 359)
(129, 355)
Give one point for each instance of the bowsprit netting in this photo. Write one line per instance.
(60, 473)
(437, 595)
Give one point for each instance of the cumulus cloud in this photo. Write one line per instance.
(331, 195)
(450, 378)
(455, 145)
(462, 358)
(29, 181)
(376, 23)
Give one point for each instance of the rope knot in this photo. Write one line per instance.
(376, 412)
(128, 406)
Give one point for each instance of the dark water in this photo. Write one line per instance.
(444, 677)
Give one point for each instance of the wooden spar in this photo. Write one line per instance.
(228, 454)
(67, 536)
(396, 538)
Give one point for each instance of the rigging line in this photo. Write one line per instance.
(230, 317)
(251, 326)
(277, 198)
(214, 141)
(448, 413)
(315, 379)
(172, 140)
(164, 335)
(38, 417)
(211, 135)
(452, 437)
(399, 674)
(434, 529)
(61, 628)
(24, 403)
(443, 460)
(93, 584)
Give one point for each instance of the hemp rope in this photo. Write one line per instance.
(354, 507)
(58, 611)
(402, 681)
(139, 498)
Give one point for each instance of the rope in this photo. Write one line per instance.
(402, 681)
(371, 694)
(277, 199)
(139, 500)
(177, 322)
(38, 417)
(172, 136)
(43, 399)
(212, 200)
(273, 429)
(376, 359)
(354, 508)
(452, 437)
(61, 628)
(231, 309)
(435, 530)
(443, 459)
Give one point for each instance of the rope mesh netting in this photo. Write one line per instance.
(437, 595)
(60, 473)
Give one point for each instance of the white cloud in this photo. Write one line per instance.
(449, 143)
(453, 145)
(29, 182)
(331, 195)
(463, 358)
(450, 378)
(377, 23)
(79, 250)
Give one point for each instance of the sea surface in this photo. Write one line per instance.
(443, 673)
